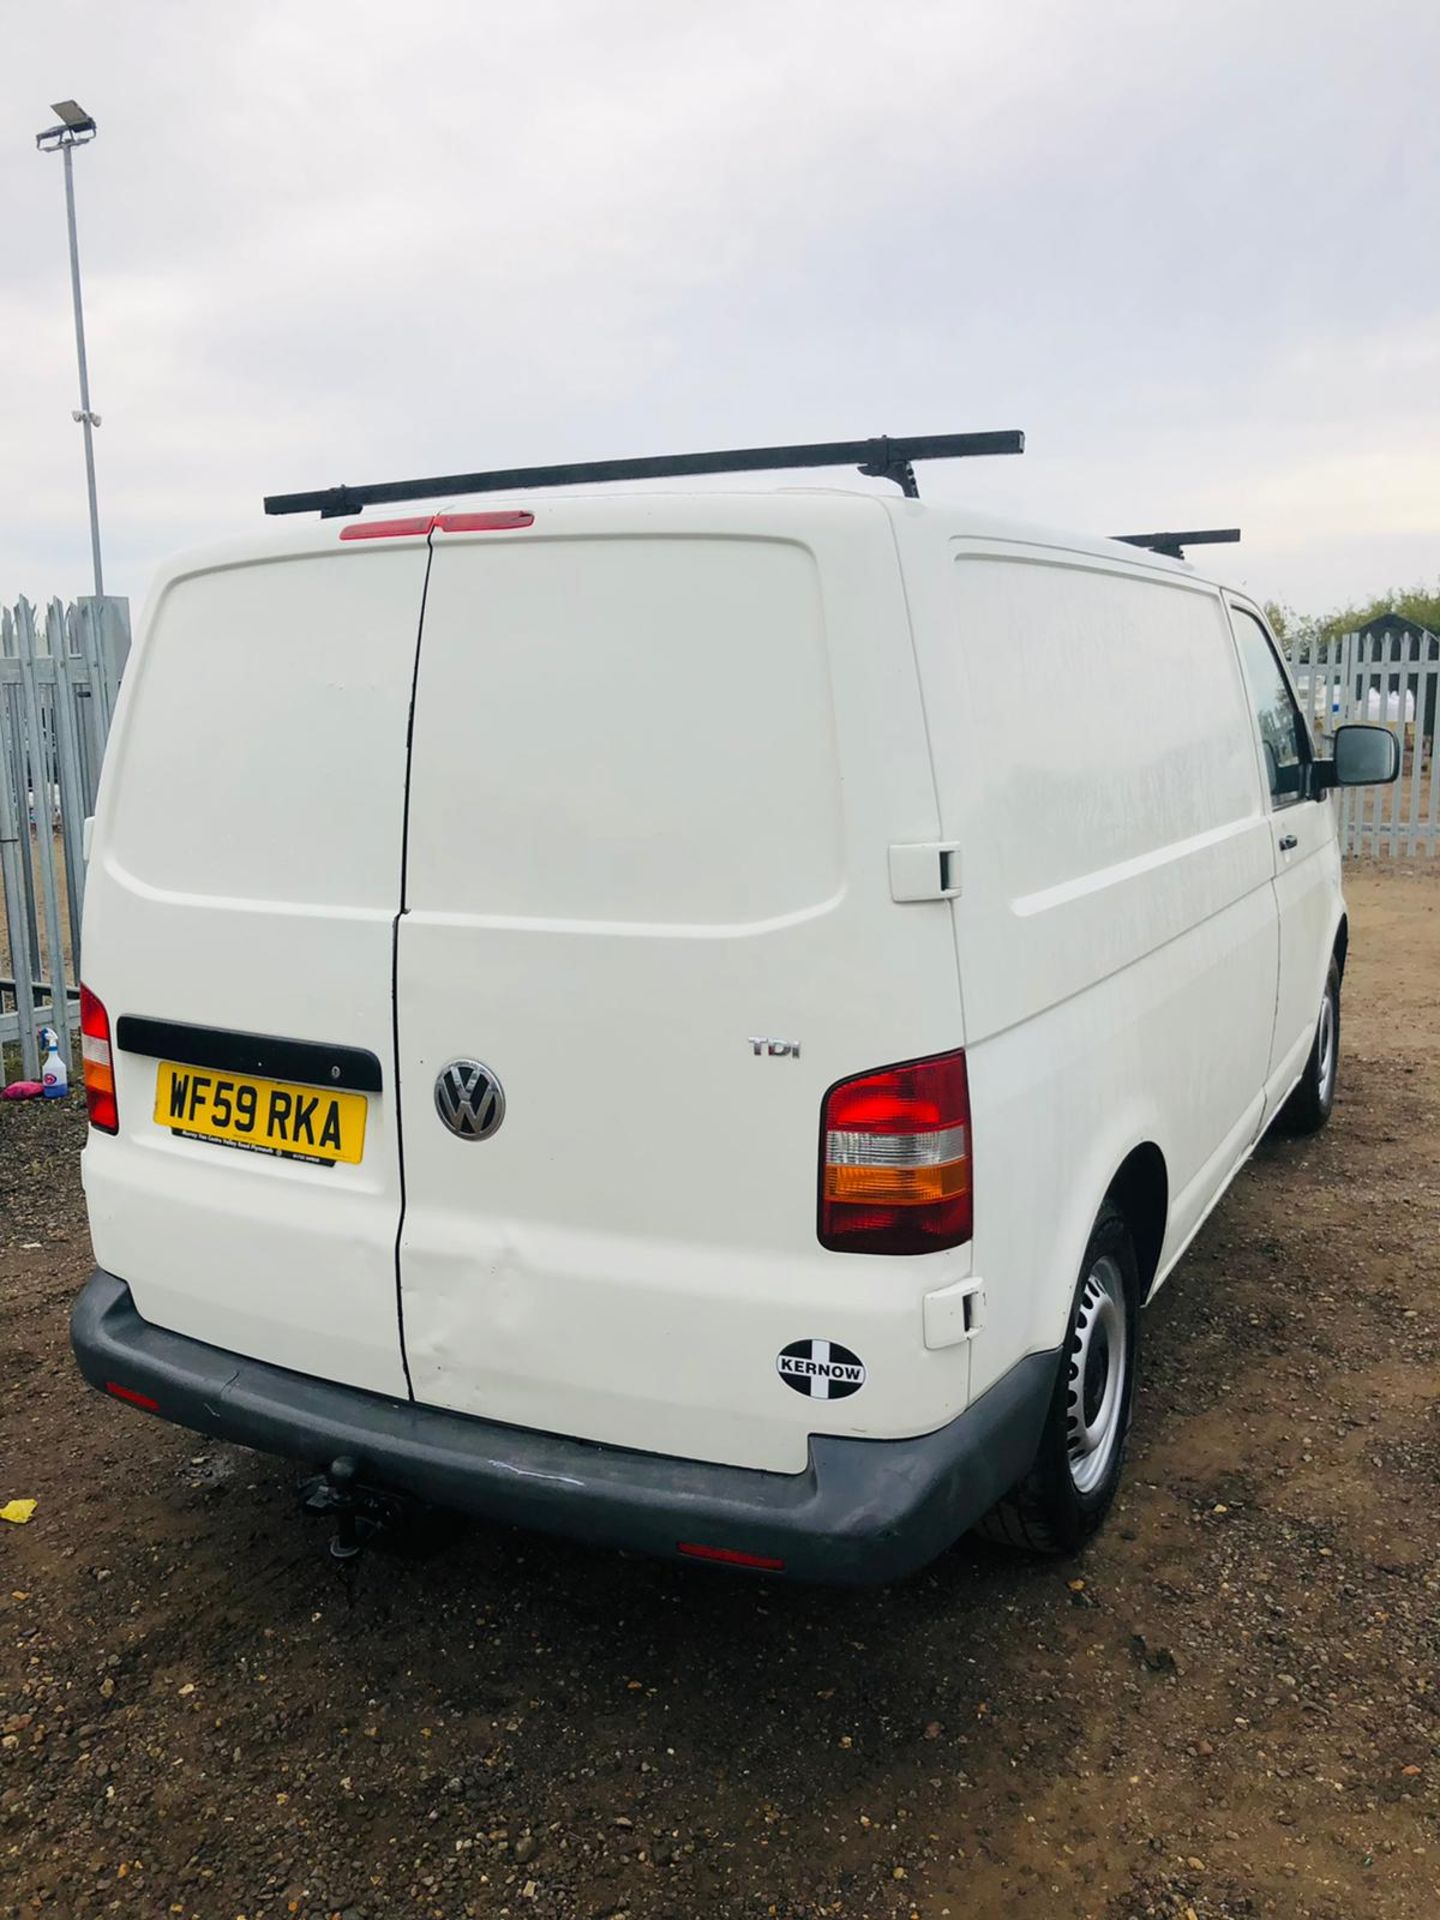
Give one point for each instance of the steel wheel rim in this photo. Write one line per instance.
(1325, 1047)
(1095, 1385)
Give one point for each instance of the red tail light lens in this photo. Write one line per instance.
(895, 1159)
(98, 1064)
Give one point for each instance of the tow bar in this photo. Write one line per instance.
(367, 1516)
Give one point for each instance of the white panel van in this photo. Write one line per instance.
(695, 1021)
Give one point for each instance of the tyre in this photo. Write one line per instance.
(1309, 1106)
(1067, 1493)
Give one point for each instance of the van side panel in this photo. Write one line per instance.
(661, 750)
(1116, 927)
(245, 877)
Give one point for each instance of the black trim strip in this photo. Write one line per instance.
(308, 1061)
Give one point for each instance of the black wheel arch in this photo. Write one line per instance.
(1141, 1190)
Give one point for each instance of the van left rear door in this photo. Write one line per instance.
(239, 930)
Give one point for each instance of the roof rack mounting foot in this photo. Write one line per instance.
(1173, 545)
(890, 464)
(340, 501)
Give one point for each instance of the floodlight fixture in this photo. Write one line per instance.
(75, 128)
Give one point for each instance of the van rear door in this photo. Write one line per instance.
(661, 747)
(240, 915)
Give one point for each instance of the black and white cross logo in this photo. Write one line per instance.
(822, 1369)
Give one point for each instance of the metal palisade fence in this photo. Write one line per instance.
(59, 675)
(1390, 679)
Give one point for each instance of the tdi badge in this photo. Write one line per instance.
(821, 1369)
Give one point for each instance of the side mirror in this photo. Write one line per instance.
(1363, 757)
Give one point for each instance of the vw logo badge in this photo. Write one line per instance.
(469, 1099)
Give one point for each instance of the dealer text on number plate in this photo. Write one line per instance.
(266, 1116)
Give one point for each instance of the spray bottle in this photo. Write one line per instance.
(54, 1074)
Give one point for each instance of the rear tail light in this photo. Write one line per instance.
(895, 1159)
(98, 1065)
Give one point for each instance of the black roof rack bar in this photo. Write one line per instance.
(1173, 544)
(884, 458)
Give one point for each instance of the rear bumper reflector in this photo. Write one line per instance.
(135, 1399)
(731, 1557)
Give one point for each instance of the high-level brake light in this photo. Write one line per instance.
(499, 521)
(99, 1066)
(387, 529)
(503, 520)
(895, 1159)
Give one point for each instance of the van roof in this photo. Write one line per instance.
(791, 510)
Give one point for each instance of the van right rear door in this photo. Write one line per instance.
(661, 748)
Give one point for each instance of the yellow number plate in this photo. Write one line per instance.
(265, 1116)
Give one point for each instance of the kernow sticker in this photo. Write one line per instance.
(823, 1369)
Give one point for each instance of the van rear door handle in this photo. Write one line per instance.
(1288, 842)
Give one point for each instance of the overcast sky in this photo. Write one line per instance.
(1194, 251)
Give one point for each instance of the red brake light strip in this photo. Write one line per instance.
(506, 520)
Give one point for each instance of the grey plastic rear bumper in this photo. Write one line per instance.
(863, 1511)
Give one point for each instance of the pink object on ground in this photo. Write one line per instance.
(22, 1090)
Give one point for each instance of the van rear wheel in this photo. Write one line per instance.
(1067, 1493)
(1309, 1106)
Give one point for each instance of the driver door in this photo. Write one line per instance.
(1306, 852)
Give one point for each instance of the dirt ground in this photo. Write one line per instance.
(1226, 1707)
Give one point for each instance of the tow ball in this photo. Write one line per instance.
(361, 1514)
(367, 1516)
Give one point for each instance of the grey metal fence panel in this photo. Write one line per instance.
(42, 825)
(59, 678)
(75, 802)
(1389, 680)
(14, 863)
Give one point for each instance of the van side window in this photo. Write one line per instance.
(1283, 736)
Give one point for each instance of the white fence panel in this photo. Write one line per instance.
(58, 679)
(1388, 680)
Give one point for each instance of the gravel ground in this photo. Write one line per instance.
(1227, 1706)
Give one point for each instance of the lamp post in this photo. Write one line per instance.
(76, 127)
